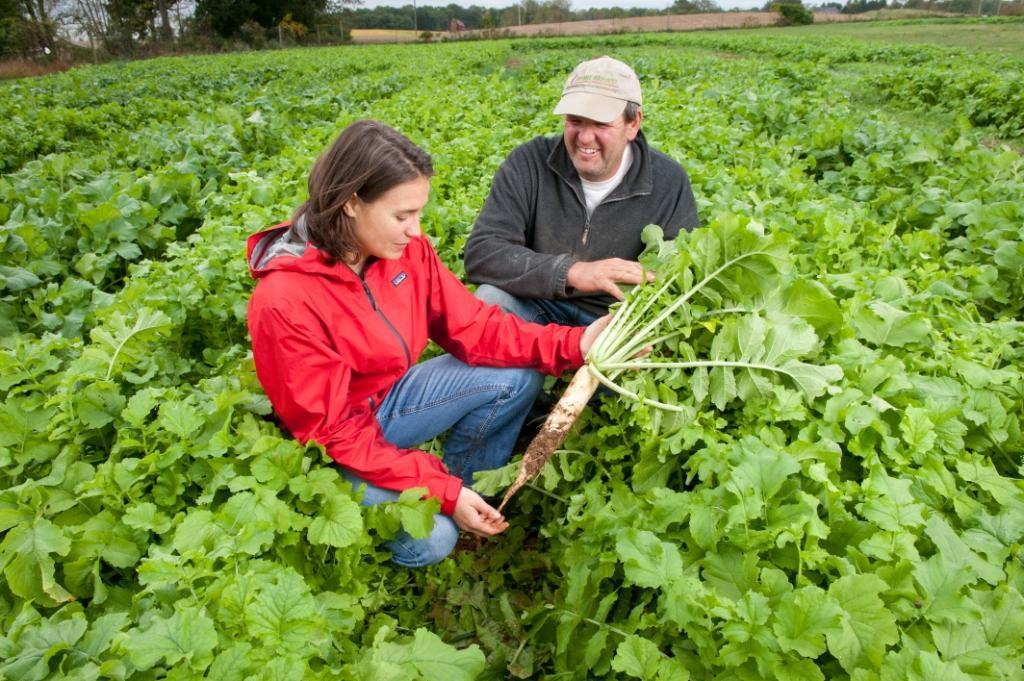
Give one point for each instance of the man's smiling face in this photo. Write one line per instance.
(596, 148)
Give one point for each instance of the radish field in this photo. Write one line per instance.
(156, 524)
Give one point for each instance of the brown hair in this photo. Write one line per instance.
(367, 159)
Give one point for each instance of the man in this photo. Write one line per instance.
(560, 230)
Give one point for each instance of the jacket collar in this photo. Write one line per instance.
(637, 182)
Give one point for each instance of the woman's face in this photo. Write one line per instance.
(385, 226)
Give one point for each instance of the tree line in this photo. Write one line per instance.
(124, 27)
(477, 17)
(46, 29)
(36, 28)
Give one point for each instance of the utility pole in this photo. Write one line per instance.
(415, 26)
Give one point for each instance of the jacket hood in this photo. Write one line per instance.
(286, 247)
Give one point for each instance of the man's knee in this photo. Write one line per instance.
(524, 308)
(492, 295)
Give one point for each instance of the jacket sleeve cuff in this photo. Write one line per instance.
(450, 495)
(562, 276)
(575, 355)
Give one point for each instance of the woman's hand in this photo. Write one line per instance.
(474, 515)
(592, 332)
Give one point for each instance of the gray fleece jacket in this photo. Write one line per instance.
(534, 223)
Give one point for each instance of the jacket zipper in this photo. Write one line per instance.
(583, 202)
(380, 313)
(607, 200)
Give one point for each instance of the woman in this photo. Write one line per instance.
(348, 295)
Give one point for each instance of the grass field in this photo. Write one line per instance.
(1005, 38)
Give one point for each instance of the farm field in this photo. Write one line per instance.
(156, 524)
(383, 35)
(661, 23)
(1006, 37)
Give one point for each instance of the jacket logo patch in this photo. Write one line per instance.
(398, 279)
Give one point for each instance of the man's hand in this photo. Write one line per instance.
(603, 275)
(474, 515)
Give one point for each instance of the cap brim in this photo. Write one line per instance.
(595, 107)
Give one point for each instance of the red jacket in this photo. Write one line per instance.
(328, 345)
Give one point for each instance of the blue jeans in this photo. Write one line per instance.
(539, 310)
(483, 407)
(542, 311)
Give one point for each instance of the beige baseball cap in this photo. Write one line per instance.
(599, 89)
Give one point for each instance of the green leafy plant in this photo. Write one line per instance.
(147, 498)
(730, 269)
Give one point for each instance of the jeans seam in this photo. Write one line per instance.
(507, 394)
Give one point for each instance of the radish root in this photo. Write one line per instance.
(557, 425)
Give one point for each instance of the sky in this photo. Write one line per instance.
(576, 4)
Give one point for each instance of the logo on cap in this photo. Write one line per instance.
(599, 90)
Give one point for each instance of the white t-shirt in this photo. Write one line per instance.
(594, 192)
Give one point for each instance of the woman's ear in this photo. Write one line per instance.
(351, 206)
